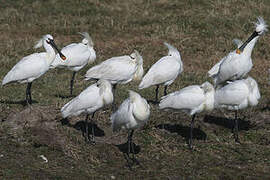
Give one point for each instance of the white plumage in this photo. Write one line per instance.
(117, 70)
(132, 113)
(33, 66)
(77, 54)
(164, 71)
(237, 95)
(238, 63)
(88, 102)
(192, 99)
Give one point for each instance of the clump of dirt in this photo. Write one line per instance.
(43, 126)
(38, 125)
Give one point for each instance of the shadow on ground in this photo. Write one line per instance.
(80, 126)
(61, 96)
(228, 123)
(124, 148)
(21, 102)
(183, 131)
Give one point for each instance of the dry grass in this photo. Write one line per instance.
(201, 30)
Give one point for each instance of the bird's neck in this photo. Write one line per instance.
(141, 110)
(50, 53)
(92, 56)
(210, 99)
(139, 73)
(248, 49)
(106, 94)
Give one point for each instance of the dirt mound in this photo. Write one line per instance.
(38, 125)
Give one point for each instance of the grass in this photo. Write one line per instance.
(201, 30)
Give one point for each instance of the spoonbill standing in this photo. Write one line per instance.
(237, 95)
(132, 114)
(238, 63)
(118, 70)
(88, 102)
(78, 55)
(33, 66)
(192, 99)
(164, 71)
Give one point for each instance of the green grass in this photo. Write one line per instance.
(203, 33)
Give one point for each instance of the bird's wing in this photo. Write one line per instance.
(32, 66)
(214, 70)
(164, 70)
(231, 67)
(232, 94)
(77, 54)
(117, 69)
(88, 100)
(121, 116)
(188, 98)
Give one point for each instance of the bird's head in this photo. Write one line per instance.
(172, 50)
(87, 40)
(260, 29)
(260, 26)
(136, 57)
(207, 87)
(48, 39)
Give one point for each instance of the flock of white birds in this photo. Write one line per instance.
(233, 89)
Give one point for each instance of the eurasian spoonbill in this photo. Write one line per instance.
(88, 102)
(237, 95)
(238, 63)
(132, 114)
(33, 66)
(164, 71)
(78, 55)
(118, 70)
(192, 99)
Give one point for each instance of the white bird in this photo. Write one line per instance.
(33, 66)
(164, 71)
(132, 114)
(88, 102)
(238, 63)
(192, 99)
(78, 55)
(237, 95)
(118, 70)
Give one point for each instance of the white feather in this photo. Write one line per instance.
(90, 100)
(192, 99)
(133, 113)
(238, 94)
(119, 69)
(33, 66)
(165, 70)
(78, 55)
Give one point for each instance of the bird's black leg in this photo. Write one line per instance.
(86, 136)
(93, 129)
(236, 127)
(113, 104)
(129, 143)
(72, 82)
(157, 93)
(28, 93)
(165, 90)
(191, 132)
